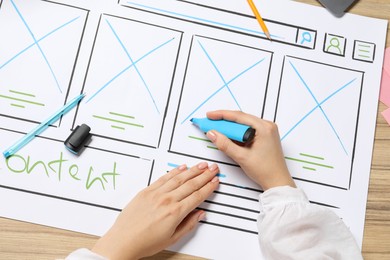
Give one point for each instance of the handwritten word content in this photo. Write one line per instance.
(62, 168)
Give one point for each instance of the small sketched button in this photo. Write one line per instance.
(364, 51)
(334, 44)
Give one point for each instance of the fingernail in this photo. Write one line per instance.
(202, 165)
(212, 136)
(182, 167)
(213, 167)
(202, 216)
(215, 179)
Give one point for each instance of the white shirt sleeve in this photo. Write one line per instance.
(290, 227)
(84, 254)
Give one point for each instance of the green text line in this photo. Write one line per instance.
(23, 100)
(118, 127)
(308, 168)
(17, 105)
(308, 162)
(122, 115)
(117, 121)
(21, 93)
(312, 156)
(200, 139)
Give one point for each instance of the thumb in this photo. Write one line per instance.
(223, 143)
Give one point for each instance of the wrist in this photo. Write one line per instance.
(113, 249)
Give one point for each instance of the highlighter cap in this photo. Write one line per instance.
(78, 138)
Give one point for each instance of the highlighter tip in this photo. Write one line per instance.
(192, 119)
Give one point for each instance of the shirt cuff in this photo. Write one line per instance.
(84, 254)
(281, 196)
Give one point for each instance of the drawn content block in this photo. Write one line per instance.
(234, 205)
(35, 66)
(219, 75)
(59, 174)
(132, 63)
(318, 137)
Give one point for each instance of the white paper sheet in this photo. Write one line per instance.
(147, 68)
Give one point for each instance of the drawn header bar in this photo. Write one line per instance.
(280, 32)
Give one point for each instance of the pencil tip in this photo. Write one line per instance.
(268, 36)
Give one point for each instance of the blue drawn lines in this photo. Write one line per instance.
(219, 74)
(133, 64)
(36, 43)
(199, 19)
(173, 165)
(318, 106)
(39, 40)
(225, 82)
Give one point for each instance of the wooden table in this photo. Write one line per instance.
(19, 240)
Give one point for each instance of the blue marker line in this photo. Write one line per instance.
(204, 20)
(37, 44)
(33, 44)
(220, 75)
(218, 90)
(311, 111)
(319, 106)
(176, 165)
(128, 67)
(135, 67)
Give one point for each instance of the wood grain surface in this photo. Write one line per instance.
(19, 240)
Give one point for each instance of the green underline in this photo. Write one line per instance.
(313, 163)
(118, 127)
(23, 100)
(212, 147)
(312, 156)
(200, 139)
(308, 168)
(122, 115)
(21, 93)
(117, 121)
(17, 105)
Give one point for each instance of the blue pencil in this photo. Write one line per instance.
(42, 126)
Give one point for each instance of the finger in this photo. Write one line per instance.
(197, 197)
(235, 116)
(188, 224)
(179, 179)
(194, 184)
(224, 144)
(166, 177)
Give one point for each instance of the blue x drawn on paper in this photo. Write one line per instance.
(318, 106)
(225, 83)
(36, 43)
(33, 44)
(133, 64)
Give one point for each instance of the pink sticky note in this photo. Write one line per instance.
(386, 62)
(386, 115)
(385, 84)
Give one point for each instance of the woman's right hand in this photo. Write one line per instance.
(262, 159)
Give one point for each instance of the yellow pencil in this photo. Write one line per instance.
(259, 19)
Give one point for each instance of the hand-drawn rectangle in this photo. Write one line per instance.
(318, 137)
(36, 68)
(133, 64)
(219, 75)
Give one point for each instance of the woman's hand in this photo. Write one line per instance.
(262, 159)
(160, 214)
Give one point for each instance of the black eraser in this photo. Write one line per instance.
(78, 138)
